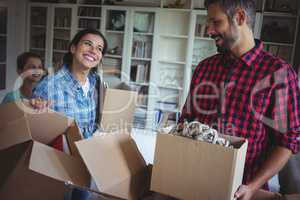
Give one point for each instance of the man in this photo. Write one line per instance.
(246, 92)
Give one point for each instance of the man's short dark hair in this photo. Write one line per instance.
(230, 6)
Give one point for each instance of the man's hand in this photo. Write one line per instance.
(245, 192)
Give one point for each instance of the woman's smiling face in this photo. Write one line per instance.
(88, 52)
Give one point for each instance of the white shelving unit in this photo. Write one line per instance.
(89, 14)
(130, 32)
(154, 48)
(3, 44)
(51, 26)
(279, 28)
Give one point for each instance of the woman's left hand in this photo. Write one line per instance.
(39, 104)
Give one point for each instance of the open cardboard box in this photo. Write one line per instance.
(112, 158)
(291, 197)
(33, 170)
(189, 169)
(118, 169)
(30, 169)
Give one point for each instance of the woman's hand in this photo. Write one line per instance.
(40, 104)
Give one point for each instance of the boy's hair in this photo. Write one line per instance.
(23, 58)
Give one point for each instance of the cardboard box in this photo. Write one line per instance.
(114, 161)
(118, 169)
(30, 169)
(188, 169)
(118, 110)
(291, 197)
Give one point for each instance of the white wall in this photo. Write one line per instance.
(16, 39)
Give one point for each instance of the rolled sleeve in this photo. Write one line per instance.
(286, 110)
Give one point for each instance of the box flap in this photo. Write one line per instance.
(58, 165)
(118, 110)
(190, 169)
(11, 157)
(10, 112)
(14, 132)
(115, 163)
(26, 184)
(291, 197)
(73, 135)
(46, 126)
(238, 168)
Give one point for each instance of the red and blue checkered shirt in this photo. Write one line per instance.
(255, 97)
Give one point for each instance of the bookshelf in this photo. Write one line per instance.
(173, 59)
(113, 27)
(89, 14)
(3, 45)
(51, 26)
(279, 28)
(153, 45)
(38, 29)
(130, 32)
(202, 45)
(61, 34)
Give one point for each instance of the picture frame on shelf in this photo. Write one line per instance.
(116, 20)
(143, 22)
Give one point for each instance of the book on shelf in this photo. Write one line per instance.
(139, 73)
(273, 49)
(142, 100)
(141, 49)
(165, 118)
(284, 53)
(169, 106)
(142, 3)
(140, 118)
(111, 70)
(89, 12)
(112, 66)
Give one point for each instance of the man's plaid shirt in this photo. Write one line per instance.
(68, 98)
(255, 96)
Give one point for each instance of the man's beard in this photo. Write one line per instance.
(228, 41)
(222, 49)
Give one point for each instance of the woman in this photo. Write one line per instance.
(71, 90)
(30, 68)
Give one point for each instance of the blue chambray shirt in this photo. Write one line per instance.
(68, 98)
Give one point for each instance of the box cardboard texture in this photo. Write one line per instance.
(118, 169)
(30, 169)
(189, 169)
(291, 197)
